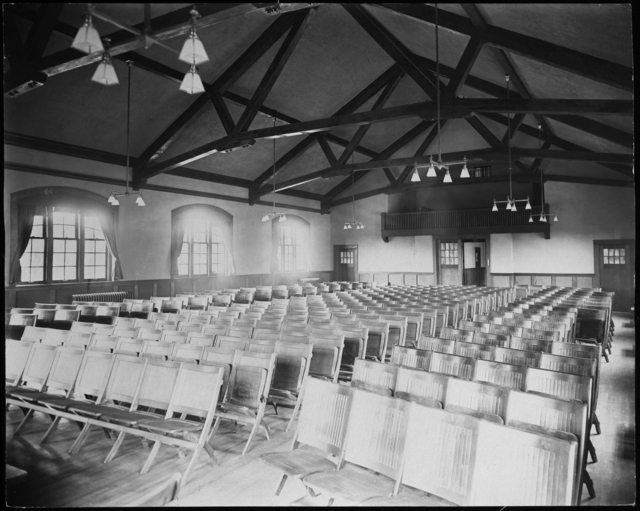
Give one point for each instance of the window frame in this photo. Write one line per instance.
(80, 215)
(444, 249)
(213, 231)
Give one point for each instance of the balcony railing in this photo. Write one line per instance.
(466, 221)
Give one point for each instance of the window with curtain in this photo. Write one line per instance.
(201, 241)
(62, 234)
(65, 245)
(290, 245)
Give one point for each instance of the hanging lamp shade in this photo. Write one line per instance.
(555, 218)
(140, 201)
(513, 206)
(531, 219)
(431, 171)
(528, 206)
(415, 177)
(447, 177)
(115, 201)
(111, 198)
(465, 172)
(543, 218)
(265, 217)
(193, 51)
(283, 218)
(87, 39)
(105, 73)
(495, 206)
(191, 83)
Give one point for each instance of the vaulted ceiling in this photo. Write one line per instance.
(352, 87)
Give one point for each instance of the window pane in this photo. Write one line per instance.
(58, 259)
(89, 272)
(70, 273)
(89, 246)
(100, 273)
(622, 252)
(622, 260)
(100, 246)
(25, 275)
(37, 274)
(71, 245)
(69, 231)
(101, 259)
(70, 260)
(37, 231)
(58, 231)
(37, 245)
(58, 273)
(89, 259)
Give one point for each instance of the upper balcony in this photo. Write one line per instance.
(464, 222)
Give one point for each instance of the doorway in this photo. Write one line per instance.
(448, 258)
(614, 270)
(462, 261)
(475, 263)
(345, 263)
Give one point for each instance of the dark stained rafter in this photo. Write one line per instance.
(428, 140)
(576, 62)
(13, 46)
(297, 30)
(326, 149)
(351, 106)
(596, 128)
(41, 30)
(223, 112)
(396, 50)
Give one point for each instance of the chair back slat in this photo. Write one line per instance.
(124, 379)
(505, 375)
(452, 365)
(411, 357)
(421, 387)
(93, 375)
(517, 357)
(16, 356)
(436, 344)
(478, 396)
(374, 376)
(196, 392)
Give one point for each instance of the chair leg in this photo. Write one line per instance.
(116, 446)
(596, 422)
(592, 451)
(604, 354)
(23, 421)
(49, 431)
(152, 456)
(190, 467)
(214, 429)
(256, 424)
(78, 443)
(586, 479)
(296, 409)
(211, 452)
(283, 480)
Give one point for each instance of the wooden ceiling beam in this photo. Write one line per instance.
(389, 151)
(362, 130)
(428, 140)
(393, 47)
(326, 149)
(14, 49)
(596, 128)
(557, 141)
(535, 166)
(351, 106)
(223, 112)
(41, 30)
(573, 61)
(297, 30)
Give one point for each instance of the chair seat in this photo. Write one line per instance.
(94, 410)
(60, 403)
(125, 418)
(407, 499)
(169, 426)
(30, 395)
(282, 397)
(236, 409)
(352, 484)
(298, 463)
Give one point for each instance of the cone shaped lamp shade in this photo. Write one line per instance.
(105, 73)
(111, 198)
(115, 202)
(530, 219)
(543, 218)
(140, 201)
(513, 207)
(431, 171)
(265, 217)
(465, 172)
(495, 206)
(283, 218)
(447, 178)
(555, 218)
(191, 83)
(193, 50)
(87, 39)
(415, 177)
(528, 206)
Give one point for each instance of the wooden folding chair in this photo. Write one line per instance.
(141, 310)
(35, 371)
(156, 349)
(44, 317)
(129, 346)
(174, 336)
(505, 375)
(327, 353)
(491, 339)
(374, 376)
(240, 332)
(144, 323)
(17, 324)
(476, 351)
(100, 328)
(234, 343)
(206, 340)
(371, 443)
(474, 326)
(453, 365)
(16, 356)
(436, 344)
(99, 342)
(106, 315)
(456, 334)
(55, 337)
(32, 334)
(81, 327)
(215, 330)
(87, 313)
(249, 384)
(377, 337)
(478, 399)
(186, 353)
(421, 387)
(322, 425)
(517, 357)
(151, 334)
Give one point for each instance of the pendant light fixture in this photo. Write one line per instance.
(87, 40)
(511, 202)
(431, 172)
(105, 73)
(193, 53)
(269, 216)
(543, 217)
(353, 224)
(113, 198)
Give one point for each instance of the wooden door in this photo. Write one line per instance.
(614, 265)
(449, 258)
(345, 262)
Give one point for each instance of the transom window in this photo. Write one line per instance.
(203, 250)
(346, 258)
(449, 254)
(65, 245)
(613, 255)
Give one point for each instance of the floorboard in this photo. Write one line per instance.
(57, 479)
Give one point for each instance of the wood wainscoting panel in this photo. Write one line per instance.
(381, 278)
(584, 281)
(541, 280)
(396, 278)
(410, 279)
(564, 281)
(523, 279)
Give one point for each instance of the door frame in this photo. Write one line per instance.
(336, 259)
(597, 251)
(460, 238)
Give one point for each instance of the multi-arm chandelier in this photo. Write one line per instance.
(431, 172)
(353, 224)
(269, 216)
(87, 40)
(113, 198)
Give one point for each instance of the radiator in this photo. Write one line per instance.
(113, 296)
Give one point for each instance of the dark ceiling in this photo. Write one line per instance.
(342, 75)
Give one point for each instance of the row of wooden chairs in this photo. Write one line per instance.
(383, 442)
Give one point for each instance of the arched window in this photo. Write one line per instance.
(290, 245)
(201, 241)
(63, 234)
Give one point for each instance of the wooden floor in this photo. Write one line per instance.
(57, 479)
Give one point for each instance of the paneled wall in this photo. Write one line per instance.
(28, 295)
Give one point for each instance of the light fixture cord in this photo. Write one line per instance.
(509, 141)
(353, 190)
(541, 181)
(274, 167)
(438, 85)
(128, 118)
